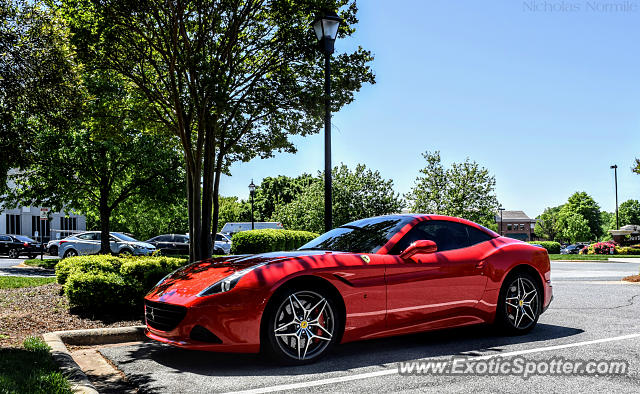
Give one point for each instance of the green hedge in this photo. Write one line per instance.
(552, 247)
(106, 283)
(269, 240)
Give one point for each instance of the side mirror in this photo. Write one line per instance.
(419, 247)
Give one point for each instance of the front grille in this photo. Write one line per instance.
(163, 317)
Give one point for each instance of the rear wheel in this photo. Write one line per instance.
(520, 304)
(14, 253)
(70, 253)
(302, 326)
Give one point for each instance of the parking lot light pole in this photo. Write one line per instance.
(615, 175)
(326, 29)
(500, 209)
(252, 190)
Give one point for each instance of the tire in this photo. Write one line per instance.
(307, 334)
(14, 253)
(218, 252)
(125, 253)
(519, 304)
(70, 253)
(53, 251)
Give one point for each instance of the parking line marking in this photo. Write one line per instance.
(348, 378)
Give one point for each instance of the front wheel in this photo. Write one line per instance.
(70, 253)
(520, 304)
(302, 327)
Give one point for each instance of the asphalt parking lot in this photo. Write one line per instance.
(593, 316)
(8, 267)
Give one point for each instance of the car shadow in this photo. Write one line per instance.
(466, 341)
(28, 272)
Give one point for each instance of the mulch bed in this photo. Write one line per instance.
(632, 278)
(32, 311)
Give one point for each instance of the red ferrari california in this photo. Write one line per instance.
(372, 278)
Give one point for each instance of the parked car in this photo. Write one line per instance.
(222, 244)
(170, 243)
(15, 246)
(572, 249)
(420, 272)
(89, 243)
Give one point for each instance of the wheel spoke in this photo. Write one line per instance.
(306, 348)
(290, 334)
(319, 313)
(510, 304)
(285, 326)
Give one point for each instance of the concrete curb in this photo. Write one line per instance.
(100, 336)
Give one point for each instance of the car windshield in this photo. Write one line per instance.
(23, 238)
(125, 238)
(362, 236)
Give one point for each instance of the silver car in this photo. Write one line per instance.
(222, 244)
(89, 243)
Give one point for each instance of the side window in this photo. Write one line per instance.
(4, 238)
(447, 235)
(86, 236)
(219, 238)
(476, 236)
(182, 239)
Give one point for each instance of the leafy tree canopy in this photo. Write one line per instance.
(583, 204)
(547, 224)
(576, 227)
(629, 213)
(357, 194)
(465, 190)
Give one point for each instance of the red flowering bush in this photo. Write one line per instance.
(602, 247)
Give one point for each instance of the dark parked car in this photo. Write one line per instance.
(16, 245)
(572, 249)
(171, 243)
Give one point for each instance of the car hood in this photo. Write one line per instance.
(184, 284)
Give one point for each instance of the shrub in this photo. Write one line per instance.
(99, 291)
(551, 246)
(602, 247)
(149, 270)
(269, 240)
(99, 263)
(628, 250)
(100, 283)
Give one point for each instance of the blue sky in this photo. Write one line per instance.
(546, 95)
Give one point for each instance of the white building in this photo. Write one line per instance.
(26, 221)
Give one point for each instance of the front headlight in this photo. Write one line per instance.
(227, 283)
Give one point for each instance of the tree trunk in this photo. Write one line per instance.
(207, 194)
(105, 215)
(216, 191)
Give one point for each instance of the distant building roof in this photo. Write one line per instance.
(513, 216)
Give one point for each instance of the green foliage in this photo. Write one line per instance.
(547, 224)
(280, 190)
(464, 190)
(234, 210)
(629, 213)
(269, 240)
(580, 203)
(38, 79)
(105, 283)
(31, 370)
(552, 247)
(627, 250)
(230, 85)
(575, 228)
(44, 263)
(14, 282)
(87, 264)
(357, 194)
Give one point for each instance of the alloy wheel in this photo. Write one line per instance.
(13, 253)
(522, 303)
(304, 325)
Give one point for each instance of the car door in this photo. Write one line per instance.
(4, 244)
(435, 287)
(181, 244)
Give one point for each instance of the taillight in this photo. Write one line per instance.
(25, 244)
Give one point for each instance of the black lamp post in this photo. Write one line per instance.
(500, 209)
(326, 28)
(252, 190)
(615, 173)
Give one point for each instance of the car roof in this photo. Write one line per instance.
(430, 216)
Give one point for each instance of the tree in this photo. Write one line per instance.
(232, 80)
(357, 194)
(629, 212)
(94, 169)
(576, 228)
(233, 210)
(547, 224)
(465, 190)
(583, 204)
(38, 79)
(274, 191)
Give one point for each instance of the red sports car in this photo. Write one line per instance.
(371, 278)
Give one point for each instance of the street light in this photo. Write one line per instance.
(615, 173)
(326, 29)
(252, 190)
(501, 209)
